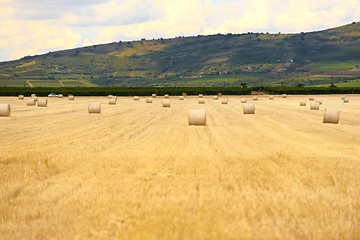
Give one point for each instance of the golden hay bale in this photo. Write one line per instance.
(319, 102)
(42, 102)
(166, 95)
(249, 108)
(271, 98)
(31, 102)
(224, 101)
(71, 97)
(302, 103)
(314, 106)
(346, 100)
(33, 95)
(21, 97)
(311, 98)
(201, 101)
(166, 103)
(201, 95)
(136, 98)
(342, 97)
(184, 94)
(110, 96)
(4, 110)
(243, 100)
(148, 100)
(94, 108)
(219, 94)
(255, 98)
(197, 117)
(181, 97)
(112, 101)
(153, 95)
(284, 96)
(216, 97)
(60, 96)
(331, 116)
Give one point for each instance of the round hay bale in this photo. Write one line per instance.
(197, 117)
(284, 96)
(148, 100)
(243, 100)
(21, 97)
(319, 102)
(219, 94)
(181, 97)
(4, 110)
(224, 101)
(166, 95)
(183, 94)
(166, 103)
(302, 103)
(255, 98)
(112, 101)
(271, 98)
(136, 98)
(331, 116)
(110, 96)
(33, 95)
(42, 102)
(216, 97)
(31, 102)
(346, 100)
(94, 108)
(311, 98)
(153, 95)
(60, 96)
(342, 97)
(314, 106)
(71, 97)
(249, 108)
(201, 95)
(201, 101)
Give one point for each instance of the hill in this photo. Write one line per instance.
(315, 58)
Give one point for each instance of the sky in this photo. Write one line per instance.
(32, 27)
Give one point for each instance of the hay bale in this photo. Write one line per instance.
(271, 98)
(243, 100)
(346, 100)
(224, 101)
(94, 108)
(33, 95)
(197, 117)
(319, 102)
(219, 94)
(314, 106)
(21, 97)
(331, 116)
(181, 97)
(342, 97)
(148, 100)
(71, 97)
(5, 110)
(136, 98)
(284, 96)
(110, 96)
(60, 96)
(166, 95)
(249, 108)
(112, 101)
(255, 98)
(184, 94)
(201, 95)
(42, 102)
(166, 103)
(311, 98)
(31, 102)
(201, 101)
(153, 95)
(302, 103)
(215, 97)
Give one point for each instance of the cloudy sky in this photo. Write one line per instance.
(30, 27)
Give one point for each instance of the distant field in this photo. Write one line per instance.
(72, 83)
(353, 83)
(45, 83)
(12, 83)
(138, 171)
(332, 67)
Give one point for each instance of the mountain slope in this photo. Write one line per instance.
(328, 56)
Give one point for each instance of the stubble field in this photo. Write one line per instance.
(138, 171)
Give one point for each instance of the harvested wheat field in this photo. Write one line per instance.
(139, 171)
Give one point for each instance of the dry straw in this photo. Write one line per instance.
(94, 108)
(4, 110)
(110, 96)
(153, 95)
(136, 98)
(342, 97)
(201, 95)
(166, 103)
(197, 117)
(148, 100)
(271, 97)
(21, 97)
(284, 96)
(319, 102)
(216, 97)
(311, 98)
(166, 95)
(183, 94)
(60, 96)
(249, 108)
(314, 106)
(112, 101)
(224, 101)
(33, 95)
(303, 103)
(346, 100)
(181, 97)
(42, 102)
(201, 101)
(71, 97)
(31, 102)
(219, 94)
(255, 98)
(331, 116)
(243, 100)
